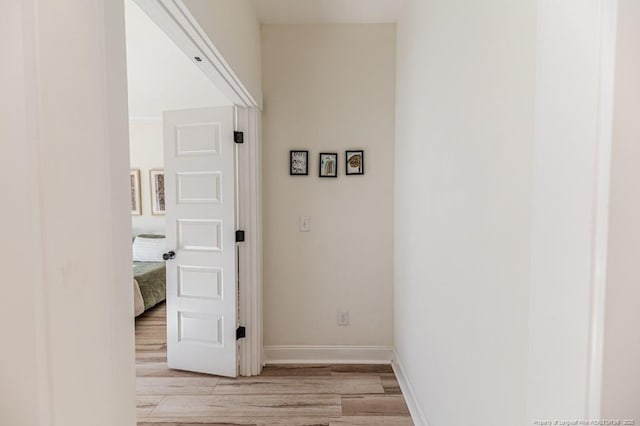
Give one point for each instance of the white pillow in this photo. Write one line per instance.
(149, 249)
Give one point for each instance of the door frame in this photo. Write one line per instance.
(173, 17)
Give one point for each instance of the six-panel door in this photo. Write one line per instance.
(200, 215)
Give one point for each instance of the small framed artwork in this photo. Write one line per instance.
(299, 163)
(354, 161)
(136, 199)
(156, 178)
(328, 164)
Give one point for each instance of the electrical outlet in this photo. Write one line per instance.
(304, 224)
(343, 317)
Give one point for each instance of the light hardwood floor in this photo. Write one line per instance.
(284, 395)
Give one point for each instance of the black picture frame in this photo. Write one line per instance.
(333, 165)
(350, 166)
(295, 169)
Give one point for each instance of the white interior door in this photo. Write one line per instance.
(200, 213)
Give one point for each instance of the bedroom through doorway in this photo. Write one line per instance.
(162, 82)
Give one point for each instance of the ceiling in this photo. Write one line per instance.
(161, 77)
(327, 11)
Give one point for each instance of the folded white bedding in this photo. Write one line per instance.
(148, 249)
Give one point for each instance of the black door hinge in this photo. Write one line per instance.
(239, 236)
(241, 333)
(238, 137)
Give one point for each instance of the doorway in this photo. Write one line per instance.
(166, 75)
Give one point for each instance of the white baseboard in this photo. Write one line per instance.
(418, 417)
(328, 354)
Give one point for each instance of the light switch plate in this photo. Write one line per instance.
(304, 224)
(343, 317)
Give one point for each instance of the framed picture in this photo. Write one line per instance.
(299, 163)
(136, 199)
(156, 178)
(328, 164)
(354, 161)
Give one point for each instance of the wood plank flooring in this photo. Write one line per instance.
(284, 395)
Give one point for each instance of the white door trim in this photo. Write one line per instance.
(250, 251)
(173, 17)
(582, 139)
(598, 289)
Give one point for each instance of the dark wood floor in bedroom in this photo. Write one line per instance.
(285, 395)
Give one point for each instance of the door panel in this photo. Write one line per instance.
(200, 214)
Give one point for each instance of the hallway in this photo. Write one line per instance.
(319, 395)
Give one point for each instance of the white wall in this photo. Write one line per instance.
(463, 166)
(328, 88)
(233, 27)
(146, 153)
(67, 309)
(500, 158)
(621, 372)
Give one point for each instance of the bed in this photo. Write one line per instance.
(149, 281)
(149, 277)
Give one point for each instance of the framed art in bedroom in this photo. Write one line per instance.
(136, 198)
(156, 179)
